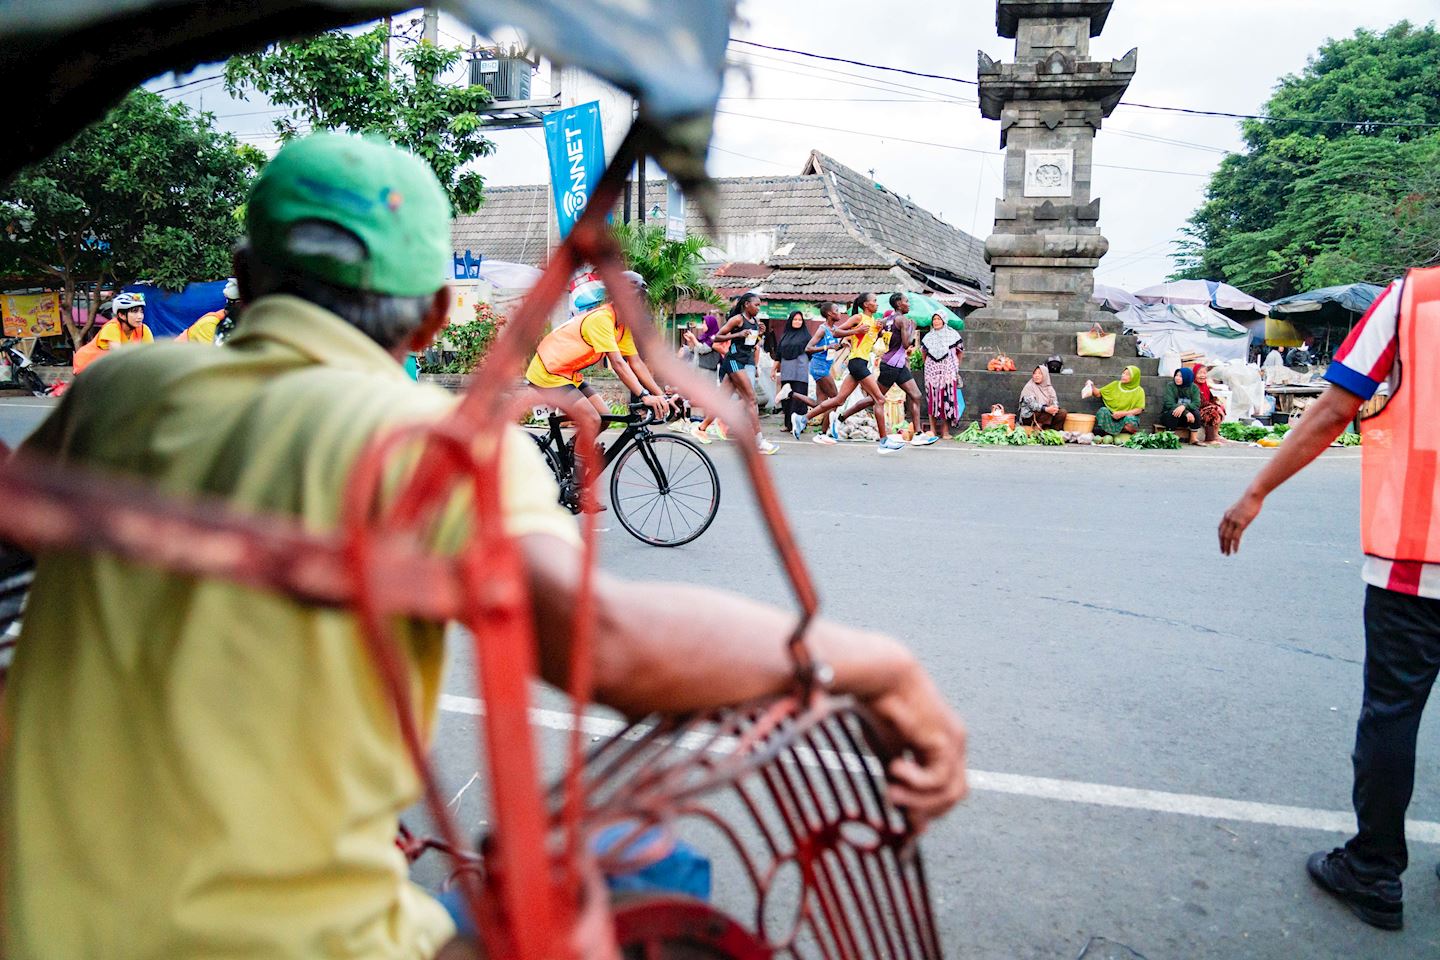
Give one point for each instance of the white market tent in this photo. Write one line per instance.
(1114, 298)
(1168, 328)
(1204, 293)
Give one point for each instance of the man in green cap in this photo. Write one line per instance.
(197, 769)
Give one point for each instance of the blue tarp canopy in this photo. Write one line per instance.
(1340, 303)
(168, 313)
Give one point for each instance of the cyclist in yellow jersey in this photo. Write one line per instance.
(556, 372)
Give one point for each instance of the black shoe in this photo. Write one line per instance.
(1331, 872)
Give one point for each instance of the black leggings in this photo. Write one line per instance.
(796, 402)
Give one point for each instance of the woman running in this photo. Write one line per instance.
(742, 332)
(862, 328)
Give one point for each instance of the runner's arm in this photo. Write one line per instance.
(1324, 420)
(675, 648)
(730, 330)
(814, 345)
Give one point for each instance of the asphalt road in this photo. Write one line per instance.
(1074, 607)
(1159, 736)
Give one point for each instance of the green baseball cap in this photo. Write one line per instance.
(387, 197)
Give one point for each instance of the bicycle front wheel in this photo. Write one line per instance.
(664, 490)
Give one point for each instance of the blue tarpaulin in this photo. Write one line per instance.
(169, 313)
(1353, 298)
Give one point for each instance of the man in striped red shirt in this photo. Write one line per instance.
(1390, 366)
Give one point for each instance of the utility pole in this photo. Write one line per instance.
(431, 31)
(389, 28)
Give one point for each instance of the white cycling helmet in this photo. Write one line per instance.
(232, 289)
(128, 301)
(636, 279)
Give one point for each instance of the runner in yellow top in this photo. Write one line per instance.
(128, 327)
(557, 369)
(861, 328)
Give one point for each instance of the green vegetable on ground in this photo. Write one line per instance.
(1164, 440)
(1051, 438)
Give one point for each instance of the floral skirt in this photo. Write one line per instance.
(1211, 414)
(942, 388)
(1106, 423)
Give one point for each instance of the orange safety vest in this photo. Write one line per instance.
(564, 351)
(1400, 495)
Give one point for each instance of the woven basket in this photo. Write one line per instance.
(1006, 420)
(1080, 423)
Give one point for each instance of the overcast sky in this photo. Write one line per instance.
(1216, 54)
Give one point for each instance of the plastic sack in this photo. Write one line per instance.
(1169, 363)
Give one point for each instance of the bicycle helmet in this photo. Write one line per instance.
(232, 289)
(128, 301)
(636, 279)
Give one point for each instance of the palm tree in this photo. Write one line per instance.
(671, 268)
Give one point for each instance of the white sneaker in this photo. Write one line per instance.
(767, 448)
(798, 424)
(924, 440)
(825, 440)
(699, 435)
(784, 393)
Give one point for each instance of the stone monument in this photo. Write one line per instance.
(1050, 103)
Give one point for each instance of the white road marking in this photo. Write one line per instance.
(1079, 450)
(1047, 788)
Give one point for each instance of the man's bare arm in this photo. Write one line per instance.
(675, 648)
(1324, 420)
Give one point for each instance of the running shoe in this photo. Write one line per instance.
(797, 425)
(825, 440)
(718, 431)
(767, 448)
(834, 431)
(894, 442)
(699, 435)
(783, 393)
(924, 440)
(885, 447)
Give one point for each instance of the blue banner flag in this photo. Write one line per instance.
(576, 145)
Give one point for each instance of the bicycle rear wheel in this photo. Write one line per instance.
(664, 490)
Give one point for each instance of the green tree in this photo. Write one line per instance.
(152, 192)
(671, 268)
(1316, 204)
(342, 81)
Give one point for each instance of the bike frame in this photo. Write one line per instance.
(635, 431)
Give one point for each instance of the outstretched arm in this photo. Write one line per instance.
(1324, 420)
(675, 648)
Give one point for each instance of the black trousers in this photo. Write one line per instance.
(1402, 657)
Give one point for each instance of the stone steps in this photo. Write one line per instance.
(1094, 367)
(1015, 342)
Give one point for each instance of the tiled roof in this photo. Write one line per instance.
(827, 219)
(897, 224)
(832, 284)
(511, 225)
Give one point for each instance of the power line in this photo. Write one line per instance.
(857, 63)
(190, 83)
(944, 146)
(1191, 111)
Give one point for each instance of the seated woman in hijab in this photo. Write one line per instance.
(1212, 411)
(1180, 408)
(1123, 402)
(1039, 406)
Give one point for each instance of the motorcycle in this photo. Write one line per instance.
(16, 368)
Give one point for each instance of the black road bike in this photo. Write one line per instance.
(663, 489)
